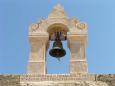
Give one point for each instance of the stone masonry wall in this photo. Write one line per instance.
(9, 80)
(108, 78)
(57, 80)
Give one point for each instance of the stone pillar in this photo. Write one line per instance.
(77, 45)
(37, 55)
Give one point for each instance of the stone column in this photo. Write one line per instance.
(77, 45)
(37, 55)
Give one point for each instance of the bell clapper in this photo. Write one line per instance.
(58, 59)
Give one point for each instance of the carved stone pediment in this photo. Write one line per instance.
(58, 12)
(58, 18)
(38, 27)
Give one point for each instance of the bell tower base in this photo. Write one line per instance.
(57, 80)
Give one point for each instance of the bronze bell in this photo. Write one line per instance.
(57, 49)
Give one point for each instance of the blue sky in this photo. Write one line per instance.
(17, 15)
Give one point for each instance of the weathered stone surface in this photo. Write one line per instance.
(57, 80)
(108, 78)
(71, 83)
(9, 80)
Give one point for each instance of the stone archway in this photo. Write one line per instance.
(52, 29)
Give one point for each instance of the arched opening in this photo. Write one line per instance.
(57, 27)
(53, 65)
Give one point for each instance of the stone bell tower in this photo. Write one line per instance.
(75, 32)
